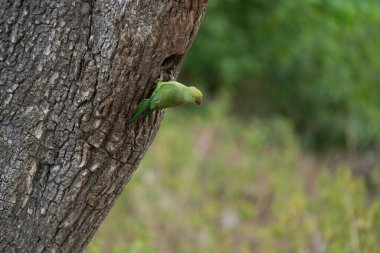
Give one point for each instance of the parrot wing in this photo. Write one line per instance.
(167, 95)
(161, 84)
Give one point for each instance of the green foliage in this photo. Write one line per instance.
(215, 184)
(313, 61)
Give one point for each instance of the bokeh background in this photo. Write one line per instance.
(283, 155)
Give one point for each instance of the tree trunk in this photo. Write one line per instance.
(72, 73)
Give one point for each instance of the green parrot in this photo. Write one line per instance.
(166, 95)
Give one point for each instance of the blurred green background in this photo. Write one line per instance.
(282, 156)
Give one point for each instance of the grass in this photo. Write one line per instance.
(211, 183)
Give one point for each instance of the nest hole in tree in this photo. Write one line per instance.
(169, 62)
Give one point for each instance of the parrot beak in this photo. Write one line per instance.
(198, 101)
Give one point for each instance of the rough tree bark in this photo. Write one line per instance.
(72, 73)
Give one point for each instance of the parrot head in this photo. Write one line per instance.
(196, 95)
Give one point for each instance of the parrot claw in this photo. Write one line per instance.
(172, 78)
(161, 78)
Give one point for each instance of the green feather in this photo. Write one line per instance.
(142, 109)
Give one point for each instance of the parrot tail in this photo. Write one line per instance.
(142, 109)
